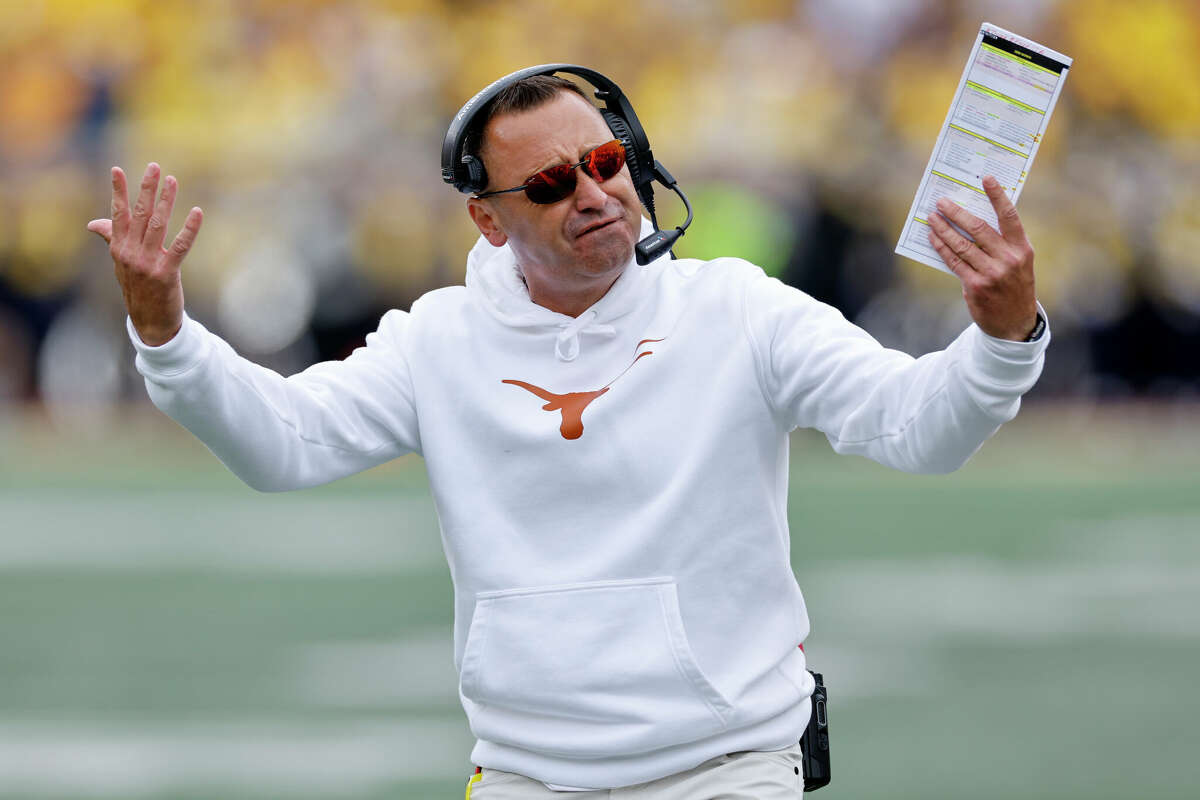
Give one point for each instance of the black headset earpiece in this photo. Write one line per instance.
(474, 176)
(639, 170)
(465, 171)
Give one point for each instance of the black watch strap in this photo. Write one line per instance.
(1039, 328)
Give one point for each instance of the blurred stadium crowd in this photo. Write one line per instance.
(309, 131)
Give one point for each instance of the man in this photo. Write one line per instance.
(607, 447)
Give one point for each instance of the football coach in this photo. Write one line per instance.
(606, 434)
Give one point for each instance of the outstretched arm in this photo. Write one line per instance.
(275, 433)
(928, 414)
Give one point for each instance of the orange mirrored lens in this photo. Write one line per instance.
(551, 185)
(606, 160)
(557, 182)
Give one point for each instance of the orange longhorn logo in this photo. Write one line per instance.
(573, 404)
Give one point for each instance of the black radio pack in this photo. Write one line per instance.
(815, 744)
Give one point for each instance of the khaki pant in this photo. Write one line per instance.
(751, 775)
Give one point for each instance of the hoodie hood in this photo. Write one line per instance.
(494, 279)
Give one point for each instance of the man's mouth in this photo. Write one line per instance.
(595, 226)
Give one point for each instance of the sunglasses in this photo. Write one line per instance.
(558, 182)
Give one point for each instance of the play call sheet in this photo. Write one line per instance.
(999, 115)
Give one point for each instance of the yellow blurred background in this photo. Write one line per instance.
(310, 132)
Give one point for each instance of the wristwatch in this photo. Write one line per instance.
(1039, 328)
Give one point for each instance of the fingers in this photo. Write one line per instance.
(156, 227)
(141, 209)
(102, 227)
(120, 203)
(959, 246)
(144, 228)
(984, 235)
(998, 285)
(184, 240)
(952, 260)
(1006, 213)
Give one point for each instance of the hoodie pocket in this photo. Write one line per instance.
(586, 670)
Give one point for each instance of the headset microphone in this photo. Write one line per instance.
(661, 241)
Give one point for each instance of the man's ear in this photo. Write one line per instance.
(486, 221)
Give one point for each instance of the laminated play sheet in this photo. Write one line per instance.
(996, 122)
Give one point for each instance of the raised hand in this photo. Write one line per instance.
(996, 270)
(149, 274)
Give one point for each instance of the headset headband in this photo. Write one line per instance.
(465, 171)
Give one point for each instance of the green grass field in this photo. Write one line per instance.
(1026, 627)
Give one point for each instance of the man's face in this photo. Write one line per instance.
(573, 245)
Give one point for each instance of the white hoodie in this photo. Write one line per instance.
(611, 488)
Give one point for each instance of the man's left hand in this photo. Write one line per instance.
(996, 270)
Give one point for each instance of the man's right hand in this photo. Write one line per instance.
(148, 272)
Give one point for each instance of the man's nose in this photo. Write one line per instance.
(588, 194)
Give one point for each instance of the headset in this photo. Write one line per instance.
(465, 171)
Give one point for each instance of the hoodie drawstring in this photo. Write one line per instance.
(566, 346)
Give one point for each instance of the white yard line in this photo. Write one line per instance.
(216, 532)
(94, 759)
(377, 673)
(935, 599)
